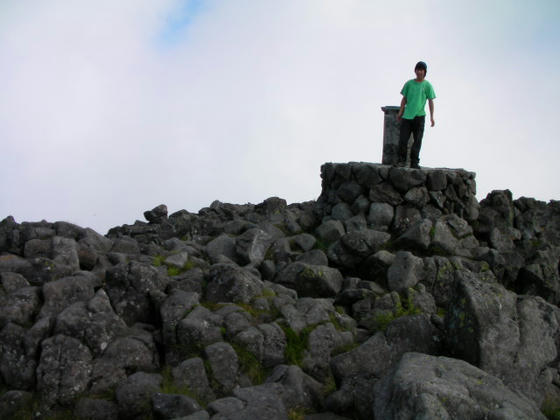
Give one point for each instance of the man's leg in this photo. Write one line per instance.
(406, 129)
(417, 135)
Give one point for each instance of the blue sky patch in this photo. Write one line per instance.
(178, 21)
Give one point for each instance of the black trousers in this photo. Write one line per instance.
(416, 127)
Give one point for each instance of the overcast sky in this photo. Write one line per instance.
(109, 108)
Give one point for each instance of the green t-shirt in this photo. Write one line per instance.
(416, 94)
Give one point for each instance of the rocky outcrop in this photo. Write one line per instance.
(394, 295)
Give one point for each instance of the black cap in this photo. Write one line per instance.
(421, 65)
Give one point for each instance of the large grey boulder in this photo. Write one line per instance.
(330, 231)
(318, 281)
(172, 406)
(129, 287)
(132, 352)
(260, 402)
(222, 246)
(174, 308)
(252, 246)
(300, 390)
(134, 396)
(357, 370)
(64, 369)
(428, 387)
(322, 342)
(405, 271)
(191, 374)
(199, 328)
(512, 337)
(380, 216)
(224, 364)
(20, 306)
(96, 409)
(14, 403)
(230, 283)
(94, 323)
(17, 363)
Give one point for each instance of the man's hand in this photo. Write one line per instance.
(433, 122)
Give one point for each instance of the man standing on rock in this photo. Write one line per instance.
(412, 114)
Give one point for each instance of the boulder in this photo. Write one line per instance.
(229, 283)
(134, 396)
(252, 246)
(405, 271)
(512, 337)
(157, 214)
(94, 323)
(224, 365)
(380, 216)
(17, 364)
(423, 386)
(330, 231)
(64, 369)
(96, 409)
(318, 281)
(172, 406)
(191, 374)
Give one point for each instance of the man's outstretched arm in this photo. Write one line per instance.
(431, 105)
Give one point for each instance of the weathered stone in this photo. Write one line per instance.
(404, 179)
(129, 287)
(349, 191)
(228, 283)
(313, 257)
(172, 406)
(304, 241)
(417, 237)
(437, 180)
(157, 214)
(64, 369)
(300, 390)
(191, 374)
(60, 294)
(252, 246)
(94, 323)
(364, 242)
(134, 396)
(405, 272)
(96, 409)
(318, 281)
(13, 404)
(17, 366)
(20, 306)
(330, 231)
(417, 196)
(385, 193)
(136, 351)
(357, 222)
(444, 388)
(224, 364)
(198, 329)
(341, 211)
(512, 337)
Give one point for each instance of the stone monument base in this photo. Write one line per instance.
(388, 198)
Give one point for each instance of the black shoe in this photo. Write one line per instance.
(399, 165)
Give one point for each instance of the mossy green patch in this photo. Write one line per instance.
(250, 365)
(296, 344)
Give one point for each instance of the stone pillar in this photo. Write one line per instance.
(391, 131)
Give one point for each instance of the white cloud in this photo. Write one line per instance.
(100, 121)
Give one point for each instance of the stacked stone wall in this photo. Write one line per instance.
(391, 197)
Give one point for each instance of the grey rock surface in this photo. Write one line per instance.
(444, 388)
